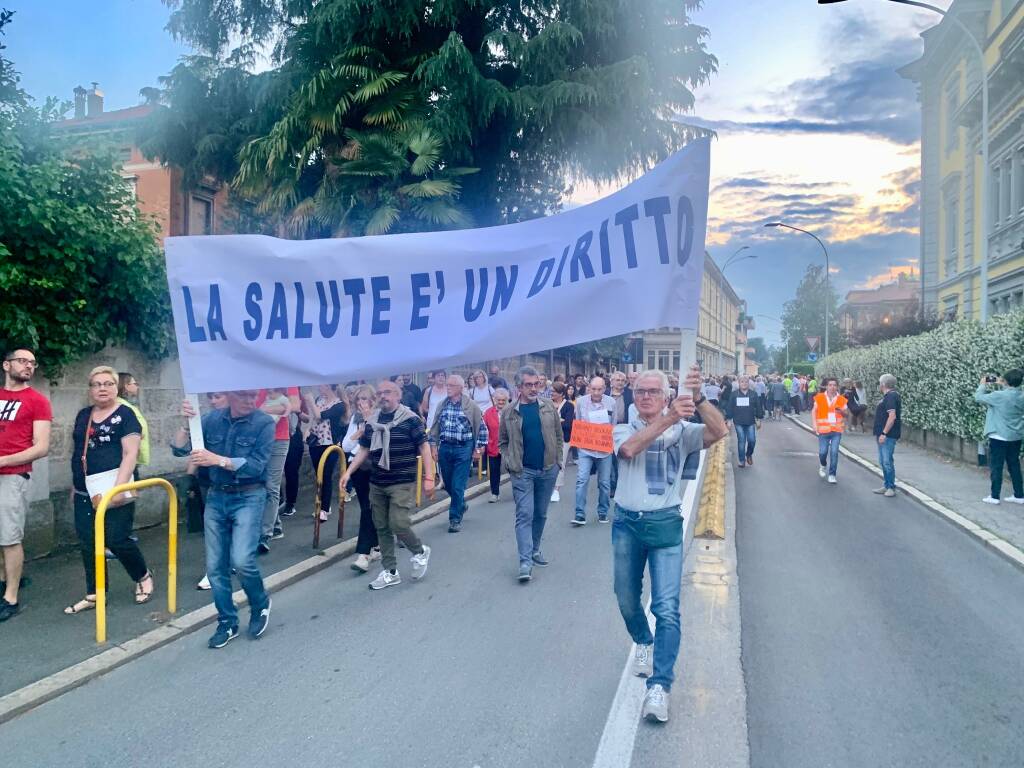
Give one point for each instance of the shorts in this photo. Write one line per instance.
(13, 509)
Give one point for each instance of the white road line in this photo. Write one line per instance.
(619, 736)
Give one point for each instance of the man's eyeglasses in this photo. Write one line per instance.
(648, 392)
(24, 361)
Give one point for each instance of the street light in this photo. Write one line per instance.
(779, 321)
(828, 290)
(985, 170)
(721, 276)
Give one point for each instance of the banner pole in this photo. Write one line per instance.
(195, 424)
(687, 351)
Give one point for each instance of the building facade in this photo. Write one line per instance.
(158, 189)
(721, 331)
(886, 304)
(952, 225)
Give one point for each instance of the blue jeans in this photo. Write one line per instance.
(604, 484)
(885, 453)
(455, 460)
(746, 439)
(666, 568)
(531, 490)
(828, 450)
(233, 522)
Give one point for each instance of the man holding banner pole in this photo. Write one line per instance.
(658, 452)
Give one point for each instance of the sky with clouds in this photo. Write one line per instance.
(814, 126)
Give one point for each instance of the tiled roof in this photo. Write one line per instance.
(117, 115)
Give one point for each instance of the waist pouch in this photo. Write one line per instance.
(657, 529)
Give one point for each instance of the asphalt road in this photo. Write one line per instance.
(464, 668)
(873, 633)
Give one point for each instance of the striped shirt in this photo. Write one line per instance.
(406, 439)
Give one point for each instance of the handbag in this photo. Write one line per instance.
(657, 529)
(98, 483)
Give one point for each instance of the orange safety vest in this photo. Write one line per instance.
(828, 418)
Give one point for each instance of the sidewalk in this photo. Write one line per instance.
(953, 484)
(41, 640)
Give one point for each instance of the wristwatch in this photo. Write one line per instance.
(223, 462)
(698, 402)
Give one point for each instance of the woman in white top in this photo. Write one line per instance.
(481, 392)
(433, 397)
(364, 401)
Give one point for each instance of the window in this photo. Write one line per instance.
(1018, 180)
(675, 361)
(952, 99)
(663, 360)
(650, 361)
(1006, 191)
(124, 154)
(952, 229)
(950, 307)
(200, 215)
(993, 200)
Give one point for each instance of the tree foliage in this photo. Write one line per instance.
(909, 325)
(79, 267)
(804, 316)
(532, 94)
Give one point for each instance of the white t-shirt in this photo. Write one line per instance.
(434, 399)
(656, 479)
(482, 397)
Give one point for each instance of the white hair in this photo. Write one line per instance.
(655, 374)
(887, 380)
(454, 378)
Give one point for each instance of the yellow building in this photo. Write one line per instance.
(721, 330)
(952, 229)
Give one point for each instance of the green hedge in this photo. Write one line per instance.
(937, 372)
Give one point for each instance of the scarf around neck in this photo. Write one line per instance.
(381, 439)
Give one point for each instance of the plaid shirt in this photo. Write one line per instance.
(456, 427)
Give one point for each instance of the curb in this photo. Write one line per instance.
(31, 696)
(1003, 548)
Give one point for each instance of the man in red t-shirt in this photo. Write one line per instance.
(25, 417)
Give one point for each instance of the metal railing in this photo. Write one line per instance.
(342, 466)
(101, 546)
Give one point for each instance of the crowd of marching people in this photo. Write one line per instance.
(247, 472)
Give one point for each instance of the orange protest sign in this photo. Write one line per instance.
(592, 437)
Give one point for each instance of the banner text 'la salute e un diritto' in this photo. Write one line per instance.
(254, 311)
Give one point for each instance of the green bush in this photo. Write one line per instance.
(937, 372)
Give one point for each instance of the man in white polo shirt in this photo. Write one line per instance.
(658, 452)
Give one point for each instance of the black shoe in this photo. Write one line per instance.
(278, 533)
(260, 620)
(287, 511)
(454, 527)
(224, 635)
(602, 518)
(263, 547)
(579, 521)
(7, 610)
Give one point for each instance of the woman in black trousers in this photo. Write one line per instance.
(363, 402)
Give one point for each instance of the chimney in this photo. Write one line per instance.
(95, 101)
(80, 93)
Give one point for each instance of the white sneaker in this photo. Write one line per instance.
(821, 471)
(655, 705)
(493, 499)
(374, 554)
(1016, 500)
(990, 500)
(204, 583)
(361, 564)
(555, 497)
(386, 579)
(643, 660)
(832, 479)
(324, 514)
(419, 563)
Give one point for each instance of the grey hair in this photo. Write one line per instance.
(502, 392)
(887, 380)
(454, 378)
(526, 370)
(653, 373)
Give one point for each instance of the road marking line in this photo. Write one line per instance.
(1004, 548)
(619, 736)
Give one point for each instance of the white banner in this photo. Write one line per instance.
(254, 311)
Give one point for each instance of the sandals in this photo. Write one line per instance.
(87, 604)
(144, 595)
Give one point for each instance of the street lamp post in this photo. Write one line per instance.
(985, 170)
(721, 277)
(828, 290)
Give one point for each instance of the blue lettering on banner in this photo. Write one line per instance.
(625, 219)
(684, 230)
(580, 258)
(381, 304)
(473, 308)
(303, 330)
(541, 278)
(561, 266)
(658, 208)
(606, 254)
(504, 287)
(195, 332)
(278, 322)
(253, 296)
(354, 288)
(214, 317)
(328, 327)
(419, 280)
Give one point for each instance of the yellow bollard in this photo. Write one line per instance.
(101, 545)
(319, 490)
(480, 468)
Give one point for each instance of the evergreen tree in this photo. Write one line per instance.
(804, 316)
